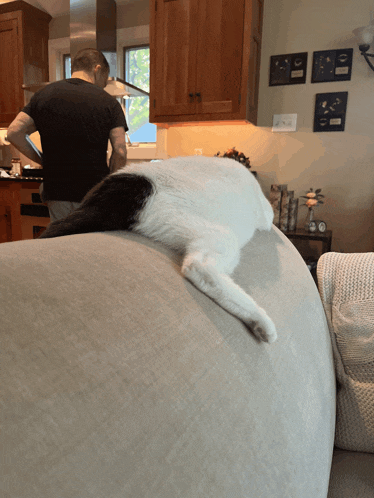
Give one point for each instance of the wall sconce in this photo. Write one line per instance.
(365, 36)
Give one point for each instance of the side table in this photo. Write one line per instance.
(324, 237)
(301, 234)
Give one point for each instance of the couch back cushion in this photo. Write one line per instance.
(346, 283)
(121, 379)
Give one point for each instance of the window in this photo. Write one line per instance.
(136, 72)
(67, 66)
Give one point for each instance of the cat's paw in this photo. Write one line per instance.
(264, 330)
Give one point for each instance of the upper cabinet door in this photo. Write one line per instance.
(10, 76)
(173, 56)
(24, 36)
(219, 56)
(205, 57)
(252, 54)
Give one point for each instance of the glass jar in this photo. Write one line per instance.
(16, 167)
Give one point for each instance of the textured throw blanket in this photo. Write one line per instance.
(346, 285)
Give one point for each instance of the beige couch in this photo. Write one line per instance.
(122, 380)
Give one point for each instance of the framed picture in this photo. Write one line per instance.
(332, 65)
(330, 111)
(288, 69)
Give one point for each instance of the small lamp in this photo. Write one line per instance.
(365, 36)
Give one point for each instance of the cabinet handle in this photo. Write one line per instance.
(198, 95)
(191, 95)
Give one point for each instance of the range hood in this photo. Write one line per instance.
(93, 25)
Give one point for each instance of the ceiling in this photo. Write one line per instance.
(57, 7)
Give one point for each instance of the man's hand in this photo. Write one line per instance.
(117, 137)
(18, 135)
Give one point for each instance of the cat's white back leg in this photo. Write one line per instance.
(200, 266)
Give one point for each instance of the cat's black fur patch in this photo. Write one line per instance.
(113, 204)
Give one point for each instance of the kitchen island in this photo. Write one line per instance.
(22, 213)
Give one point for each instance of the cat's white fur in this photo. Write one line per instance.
(208, 208)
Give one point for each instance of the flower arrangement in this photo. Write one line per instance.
(237, 156)
(313, 198)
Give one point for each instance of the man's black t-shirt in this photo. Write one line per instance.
(74, 118)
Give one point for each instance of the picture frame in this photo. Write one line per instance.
(330, 111)
(288, 69)
(332, 65)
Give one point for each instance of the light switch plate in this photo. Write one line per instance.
(284, 122)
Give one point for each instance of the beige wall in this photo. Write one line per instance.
(341, 163)
(59, 27)
(132, 13)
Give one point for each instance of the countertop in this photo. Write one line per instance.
(22, 179)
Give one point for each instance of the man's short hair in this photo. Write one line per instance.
(86, 60)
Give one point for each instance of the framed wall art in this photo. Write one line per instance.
(330, 111)
(332, 65)
(288, 69)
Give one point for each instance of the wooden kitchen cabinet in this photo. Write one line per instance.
(204, 60)
(22, 214)
(24, 33)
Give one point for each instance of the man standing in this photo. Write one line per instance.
(75, 118)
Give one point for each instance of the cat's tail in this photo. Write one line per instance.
(113, 204)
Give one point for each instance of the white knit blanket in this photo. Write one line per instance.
(346, 285)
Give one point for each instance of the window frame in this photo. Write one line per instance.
(125, 48)
(131, 47)
(65, 56)
(57, 48)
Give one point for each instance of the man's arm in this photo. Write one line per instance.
(18, 135)
(117, 137)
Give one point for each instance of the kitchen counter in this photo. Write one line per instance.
(22, 179)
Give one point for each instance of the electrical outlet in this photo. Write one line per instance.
(284, 122)
(198, 152)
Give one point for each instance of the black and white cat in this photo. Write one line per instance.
(207, 208)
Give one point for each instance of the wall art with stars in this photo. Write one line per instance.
(332, 65)
(288, 69)
(330, 111)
